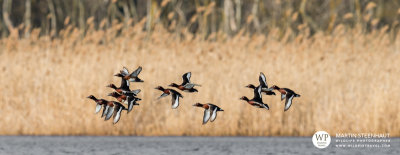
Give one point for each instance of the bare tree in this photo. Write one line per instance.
(27, 18)
(53, 18)
(6, 14)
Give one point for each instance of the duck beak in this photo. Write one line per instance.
(109, 94)
(88, 97)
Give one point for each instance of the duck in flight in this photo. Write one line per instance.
(124, 89)
(175, 95)
(132, 77)
(99, 103)
(186, 85)
(287, 94)
(210, 111)
(130, 100)
(264, 86)
(257, 99)
(118, 108)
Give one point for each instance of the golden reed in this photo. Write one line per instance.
(348, 82)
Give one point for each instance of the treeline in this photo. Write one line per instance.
(202, 17)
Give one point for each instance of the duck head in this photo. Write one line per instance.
(251, 86)
(92, 97)
(198, 105)
(275, 87)
(112, 86)
(160, 88)
(244, 98)
(119, 75)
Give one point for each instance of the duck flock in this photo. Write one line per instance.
(124, 95)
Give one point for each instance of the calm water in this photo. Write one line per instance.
(176, 145)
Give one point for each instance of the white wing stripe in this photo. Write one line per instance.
(98, 107)
(206, 116)
(288, 102)
(175, 100)
(214, 115)
(118, 115)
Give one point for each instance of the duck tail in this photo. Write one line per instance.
(297, 95)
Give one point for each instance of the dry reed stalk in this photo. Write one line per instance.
(348, 82)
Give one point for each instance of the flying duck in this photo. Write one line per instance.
(175, 96)
(288, 94)
(133, 77)
(109, 110)
(186, 85)
(118, 107)
(99, 103)
(210, 110)
(130, 100)
(264, 86)
(257, 99)
(124, 90)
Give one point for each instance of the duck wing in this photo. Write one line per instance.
(206, 117)
(257, 94)
(162, 95)
(117, 112)
(264, 105)
(136, 72)
(105, 109)
(213, 114)
(98, 107)
(283, 96)
(124, 71)
(109, 112)
(117, 116)
(175, 101)
(288, 102)
(263, 80)
(186, 78)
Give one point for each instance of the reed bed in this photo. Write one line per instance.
(348, 81)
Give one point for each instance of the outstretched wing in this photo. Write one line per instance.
(263, 80)
(109, 112)
(283, 96)
(136, 72)
(265, 106)
(175, 101)
(288, 102)
(257, 94)
(105, 110)
(117, 115)
(124, 71)
(131, 103)
(186, 78)
(206, 117)
(98, 107)
(214, 114)
(162, 95)
(137, 91)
